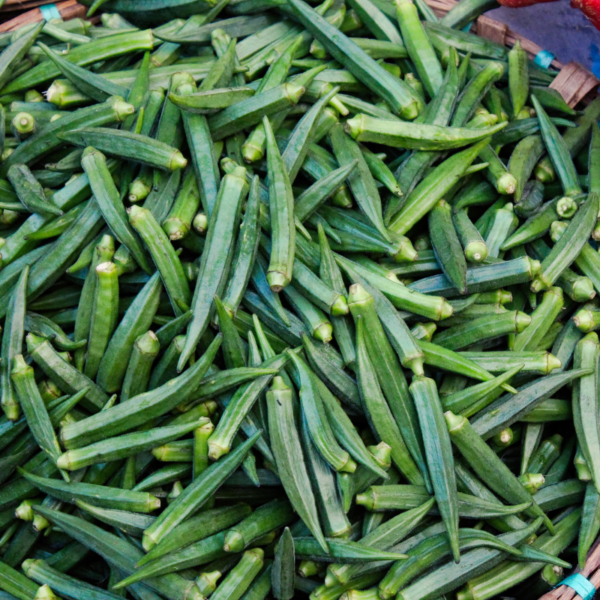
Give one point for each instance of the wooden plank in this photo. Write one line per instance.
(492, 30)
(574, 82)
(69, 9)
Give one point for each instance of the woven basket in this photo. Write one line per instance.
(574, 82)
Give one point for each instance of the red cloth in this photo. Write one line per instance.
(521, 3)
(590, 8)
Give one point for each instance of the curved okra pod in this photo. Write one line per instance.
(507, 411)
(502, 223)
(164, 256)
(579, 288)
(331, 374)
(361, 181)
(97, 495)
(419, 47)
(87, 82)
(438, 452)
(331, 275)
(216, 258)
(135, 322)
(389, 374)
(103, 318)
(485, 462)
(359, 229)
(281, 203)
(286, 447)
(141, 409)
(548, 451)
(264, 519)
(137, 375)
(195, 494)
(378, 412)
(197, 528)
(302, 136)
(446, 245)
(316, 420)
(45, 327)
(536, 226)
(111, 205)
(585, 413)
(431, 550)
(484, 328)
(250, 112)
(518, 77)
(473, 244)
(128, 145)
(468, 401)
(12, 344)
(568, 248)
(124, 446)
(474, 91)
(329, 503)
(30, 191)
(33, 407)
(434, 187)
(558, 151)
(312, 198)
(428, 306)
(425, 137)
(245, 250)
(541, 320)
(384, 537)
(220, 442)
(66, 377)
(179, 220)
(522, 162)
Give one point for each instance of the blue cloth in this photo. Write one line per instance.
(49, 11)
(580, 584)
(544, 59)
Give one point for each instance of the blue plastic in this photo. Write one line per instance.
(49, 11)
(580, 584)
(544, 59)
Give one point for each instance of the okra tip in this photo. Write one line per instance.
(178, 161)
(339, 307)
(324, 332)
(566, 207)
(476, 251)
(358, 294)
(45, 593)
(353, 126)
(522, 320)
(366, 499)
(277, 281)
(446, 309)
(234, 541)
(507, 184)
(122, 109)
(454, 422)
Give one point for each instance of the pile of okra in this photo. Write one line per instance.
(297, 299)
